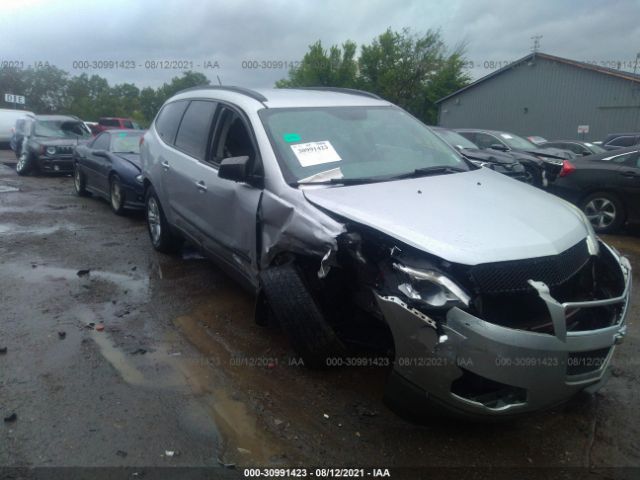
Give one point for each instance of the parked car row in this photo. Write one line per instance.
(355, 224)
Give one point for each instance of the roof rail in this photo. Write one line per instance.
(351, 91)
(244, 91)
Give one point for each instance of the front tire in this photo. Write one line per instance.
(25, 164)
(162, 238)
(300, 317)
(605, 211)
(79, 182)
(116, 195)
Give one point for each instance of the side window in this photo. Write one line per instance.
(624, 141)
(193, 134)
(127, 124)
(627, 158)
(232, 138)
(169, 119)
(485, 141)
(470, 136)
(101, 142)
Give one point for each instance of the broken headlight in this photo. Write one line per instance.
(431, 287)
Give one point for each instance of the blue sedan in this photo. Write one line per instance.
(109, 167)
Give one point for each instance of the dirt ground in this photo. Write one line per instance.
(182, 376)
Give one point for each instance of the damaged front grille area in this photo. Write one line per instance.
(598, 278)
(513, 276)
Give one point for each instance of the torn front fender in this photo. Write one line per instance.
(294, 225)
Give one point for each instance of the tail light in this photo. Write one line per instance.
(567, 168)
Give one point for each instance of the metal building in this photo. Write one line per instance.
(548, 96)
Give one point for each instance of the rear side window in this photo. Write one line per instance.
(193, 134)
(127, 124)
(169, 119)
(625, 141)
(109, 122)
(101, 142)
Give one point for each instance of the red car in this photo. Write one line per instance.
(109, 123)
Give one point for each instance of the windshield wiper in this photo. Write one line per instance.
(418, 172)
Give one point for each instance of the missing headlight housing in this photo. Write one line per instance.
(431, 287)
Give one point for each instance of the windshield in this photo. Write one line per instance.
(594, 148)
(126, 142)
(61, 129)
(455, 139)
(515, 141)
(354, 142)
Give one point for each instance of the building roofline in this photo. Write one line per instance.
(574, 63)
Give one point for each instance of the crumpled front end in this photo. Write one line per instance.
(516, 336)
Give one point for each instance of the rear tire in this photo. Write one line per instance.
(299, 316)
(605, 211)
(162, 237)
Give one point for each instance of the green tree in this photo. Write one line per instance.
(45, 88)
(187, 80)
(319, 67)
(410, 70)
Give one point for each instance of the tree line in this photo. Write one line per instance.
(408, 69)
(49, 89)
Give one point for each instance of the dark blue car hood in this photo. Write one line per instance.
(133, 158)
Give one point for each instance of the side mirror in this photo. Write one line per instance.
(234, 168)
(100, 153)
(498, 146)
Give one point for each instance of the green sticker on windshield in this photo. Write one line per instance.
(123, 134)
(291, 137)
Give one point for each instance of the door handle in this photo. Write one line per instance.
(165, 165)
(201, 186)
(629, 173)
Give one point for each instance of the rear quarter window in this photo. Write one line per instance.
(169, 119)
(193, 134)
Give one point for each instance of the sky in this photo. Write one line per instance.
(149, 42)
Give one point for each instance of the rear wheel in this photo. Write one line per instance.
(299, 316)
(116, 195)
(162, 238)
(605, 211)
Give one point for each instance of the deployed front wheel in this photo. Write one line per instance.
(162, 238)
(299, 316)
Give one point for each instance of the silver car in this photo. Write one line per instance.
(353, 222)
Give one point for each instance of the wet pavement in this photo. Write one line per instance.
(154, 360)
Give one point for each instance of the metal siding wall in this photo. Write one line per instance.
(559, 97)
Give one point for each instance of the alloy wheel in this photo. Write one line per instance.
(601, 212)
(153, 220)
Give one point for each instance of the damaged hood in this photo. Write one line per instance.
(468, 218)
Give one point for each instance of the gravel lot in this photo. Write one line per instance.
(181, 367)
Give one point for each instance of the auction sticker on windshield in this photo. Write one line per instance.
(315, 153)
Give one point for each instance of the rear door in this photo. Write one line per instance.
(183, 181)
(629, 182)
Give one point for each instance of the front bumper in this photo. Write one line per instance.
(481, 369)
(55, 163)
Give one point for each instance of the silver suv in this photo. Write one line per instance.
(355, 224)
